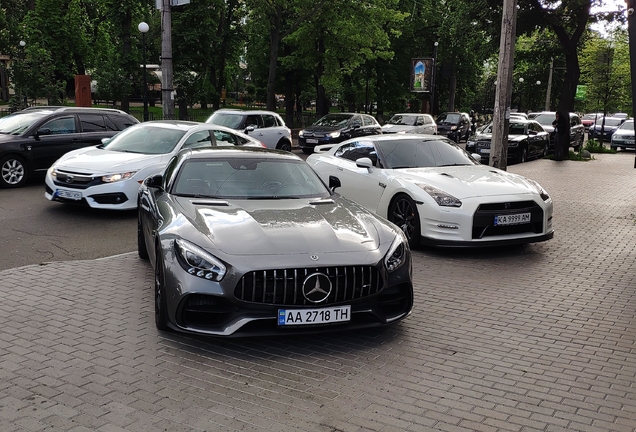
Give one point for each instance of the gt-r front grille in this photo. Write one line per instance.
(285, 286)
(484, 219)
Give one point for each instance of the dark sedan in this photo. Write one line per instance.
(605, 128)
(526, 139)
(335, 128)
(248, 242)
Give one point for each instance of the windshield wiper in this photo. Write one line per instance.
(403, 166)
(453, 164)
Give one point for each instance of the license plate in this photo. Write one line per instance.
(629, 141)
(314, 316)
(72, 195)
(514, 219)
(312, 141)
(484, 151)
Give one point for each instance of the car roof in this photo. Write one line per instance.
(240, 111)
(402, 137)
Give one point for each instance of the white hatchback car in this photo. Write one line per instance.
(266, 126)
(411, 123)
(108, 176)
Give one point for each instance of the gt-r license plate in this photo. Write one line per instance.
(314, 316)
(513, 219)
(72, 195)
(312, 141)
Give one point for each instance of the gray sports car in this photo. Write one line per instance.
(250, 241)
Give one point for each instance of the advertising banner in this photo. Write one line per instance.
(421, 74)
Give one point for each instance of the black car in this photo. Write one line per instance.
(454, 125)
(335, 128)
(32, 139)
(577, 130)
(526, 139)
(604, 128)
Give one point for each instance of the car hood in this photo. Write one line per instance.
(624, 133)
(294, 226)
(469, 181)
(548, 128)
(98, 160)
(322, 128)
(488, 137)
(391, 128)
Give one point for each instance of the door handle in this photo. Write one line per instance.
(340, 169)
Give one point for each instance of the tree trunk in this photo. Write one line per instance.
(322, 106)
(274, 42)
(453, 88)
(127, 48)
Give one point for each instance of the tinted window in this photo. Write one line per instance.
(448, 118)
(253, 120)
(92, 123)
(198, 139)
(60, 125)
(269, 121)
(403, 120)
(413, 153)
(335, 120)
(357, 150)
(231, 120)
(122, 121)
(545, 119)
(517, 129)
(368, 120)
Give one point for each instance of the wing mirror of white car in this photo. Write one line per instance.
(364, 162)
(476, 156)
(250, 128)
(105, 140)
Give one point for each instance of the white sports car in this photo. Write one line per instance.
(437, 192)
(108, 176)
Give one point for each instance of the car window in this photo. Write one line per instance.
(403, 153)
(356, 150)
(253, 120)
(355, 121)
(227, 119)
(517, 129)
(269, 121)
(92, 123)
(368, 120)
(121, 121)
(198, 139)
(225, 138)
(169, 171)
(545, 119)
(60, 125)
(146, 139)
(451, 118)
(628, 125)
(333, 120)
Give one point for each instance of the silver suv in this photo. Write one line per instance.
(266, 126)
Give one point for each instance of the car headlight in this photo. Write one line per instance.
(441, 198)
(301, 133)
(335, 134)
(544, 195)
(198, 262)
(453, 128)
(513, 143)
(396, 255)
(111, 178)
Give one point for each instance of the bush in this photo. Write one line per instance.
(594, 146)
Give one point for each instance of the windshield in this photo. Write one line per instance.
(231, 120)
(16, 124)
(403, 120)
(513, 129)
(448, 119)
(546, 119)
(401, 153)
(248, 178)
(145, 139)
(628, 125)
(609, 122)
(334, 120)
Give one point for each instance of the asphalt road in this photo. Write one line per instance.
(34, 230)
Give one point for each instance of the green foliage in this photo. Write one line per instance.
(594, 146)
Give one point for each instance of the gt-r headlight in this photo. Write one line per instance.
(442, 198)
(544, 195)
(396, 255)
(301, 133)
(198, 262)
(111, 178)
(335, 134)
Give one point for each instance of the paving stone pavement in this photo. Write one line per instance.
(533, 338)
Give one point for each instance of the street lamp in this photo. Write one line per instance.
(22, 98)
(143, 28)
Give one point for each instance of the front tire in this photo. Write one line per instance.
(403, 212)
(13, 172)
(161, 308)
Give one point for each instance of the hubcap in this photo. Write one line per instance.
(403, 216)
(12, 172)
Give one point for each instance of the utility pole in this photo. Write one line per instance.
(167, 95)
(503, 95)
(549, 91)
(631, 29)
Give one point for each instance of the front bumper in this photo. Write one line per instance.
(311, 142)
(472, 225)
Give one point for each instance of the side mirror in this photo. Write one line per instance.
(250, 128)
(334, 182)
(155, 181)
(105, 140)
(476, 156)
(364, 162)
(44, 131)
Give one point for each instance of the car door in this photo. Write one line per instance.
(371, 126)
(355, 127)
(362, 185)
(270, 133)
(55, 137)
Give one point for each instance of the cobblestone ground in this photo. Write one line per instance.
(533, 338)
